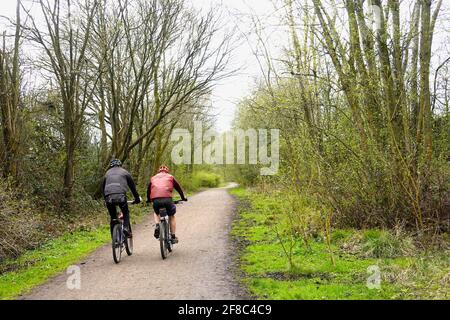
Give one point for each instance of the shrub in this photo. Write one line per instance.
(20, 226)
(375, 243)
(341, 236)
(384, 244)
(26, 222)
(203, 179)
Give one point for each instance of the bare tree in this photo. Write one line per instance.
(65, 42)
(152, 65)
(10, 86)
(374, 74)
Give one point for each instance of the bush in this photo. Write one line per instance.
(203, 179)
(28, 221)
(20, 227)
(384, 244)
(375, 243)
(340, 236)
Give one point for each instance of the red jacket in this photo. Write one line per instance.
(162, 185)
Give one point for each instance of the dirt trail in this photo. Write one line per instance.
(199, 268)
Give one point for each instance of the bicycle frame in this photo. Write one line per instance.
(119, 241)
(165, 233)
(165, 237)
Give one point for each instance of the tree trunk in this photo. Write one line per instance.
(10, 102)
(69, 175)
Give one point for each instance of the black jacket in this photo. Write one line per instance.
(116, 183)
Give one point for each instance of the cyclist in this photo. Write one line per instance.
(115, 186)
(159, 192)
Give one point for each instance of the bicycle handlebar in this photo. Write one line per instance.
(175, 202)
(132, 202)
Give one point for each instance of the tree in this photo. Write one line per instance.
(65, 45)
(356, 109)
(10, 106)
(155, 60)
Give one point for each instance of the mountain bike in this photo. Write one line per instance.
(120, 242)
(165, 234)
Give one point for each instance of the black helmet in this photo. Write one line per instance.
(115, 163)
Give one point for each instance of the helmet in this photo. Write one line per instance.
(163, 169)
(115, 163)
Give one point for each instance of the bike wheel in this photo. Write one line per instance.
(163, 239)
(129, 245)
(169, 239)
(117, 243)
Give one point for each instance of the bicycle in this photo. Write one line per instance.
(165, 238)
(120, 241)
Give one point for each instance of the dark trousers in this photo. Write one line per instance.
(112, 209)
(167, 203)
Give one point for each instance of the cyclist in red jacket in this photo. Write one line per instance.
(159, 192)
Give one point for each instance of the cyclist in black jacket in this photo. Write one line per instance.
(115, 186)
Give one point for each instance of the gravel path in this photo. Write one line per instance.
(199, 268)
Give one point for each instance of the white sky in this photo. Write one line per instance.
(238, 13)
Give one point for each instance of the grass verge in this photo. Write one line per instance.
(35, 267)
(357, 257)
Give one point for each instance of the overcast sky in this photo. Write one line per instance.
(236, 13)
(229, 91)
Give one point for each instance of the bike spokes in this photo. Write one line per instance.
(117, 243)
(163, 236)
(129, 246)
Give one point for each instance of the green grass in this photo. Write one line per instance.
(406, 272)
(35, 267)
(314, 289)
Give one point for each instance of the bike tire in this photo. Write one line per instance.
(117, 243)
(163, 240)
(169, 239)
(129, 245)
